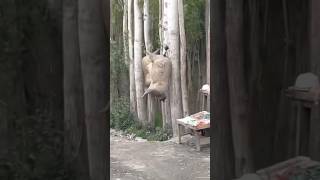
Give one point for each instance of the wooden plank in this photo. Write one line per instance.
(299, 109)
(315, 36)
(314, 138)
(301, 95)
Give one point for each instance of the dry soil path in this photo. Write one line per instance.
(142, 160)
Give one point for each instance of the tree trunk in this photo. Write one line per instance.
(173, 43)
(139, 80)
(160, 24)
(148, 44)
(94, 62)
(237, 89)
(183, 55)
(147, 25)
(208, 47)
(164, 26)
(76, 155)
(125, 31)
(110, 18)
(207, 22)
(165, 105)
(223, 161)
(133, 102)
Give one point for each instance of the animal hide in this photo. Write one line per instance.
(146, 67)
(159, 74)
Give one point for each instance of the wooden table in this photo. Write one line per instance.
(196, 131)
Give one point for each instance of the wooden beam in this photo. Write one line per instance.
(315, 36)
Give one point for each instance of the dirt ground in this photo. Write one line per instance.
(137, 159)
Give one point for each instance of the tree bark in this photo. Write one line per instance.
(148, 45)
(208, 47)
(165, 105)
(238, 93)
(183, 55)
(160, 24)
(133, 102)
(223, 161)
(139, 80)
(164, 26)
(173, 54)
(94, 62)
(75, 145)
(125, 31)
(207, 22)
(147, 25)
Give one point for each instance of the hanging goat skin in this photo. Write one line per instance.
(159, 74)
(147, 67)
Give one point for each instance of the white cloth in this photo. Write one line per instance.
(205, 89)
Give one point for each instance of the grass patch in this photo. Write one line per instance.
(122, 119)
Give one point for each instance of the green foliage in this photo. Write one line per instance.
(194, 12)
(154, 15)
(159, 135)
(158, 119)
(121, 118)
(151, 134)
(140, 4)
(116, 20)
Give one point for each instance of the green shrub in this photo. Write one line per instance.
(160, 134)
(121, 118)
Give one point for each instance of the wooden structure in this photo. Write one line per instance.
(197, 130)
(205, 98)
(306, 116)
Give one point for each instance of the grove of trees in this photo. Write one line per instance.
(183, 27)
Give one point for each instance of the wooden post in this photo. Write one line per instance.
(315, 36)
(298, 120)
(314, 138)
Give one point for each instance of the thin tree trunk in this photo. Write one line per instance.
(139, 80)
(147, 25)
(164, 26)
(207, 22)
(237, 89)
(125, 31)
(223, 161)
(173, 43)
(183, 60)
(94, 62)
(111, 23)
(160, 24)
(76, 155)
(148, 45)
(208, 47)
(133, 102)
